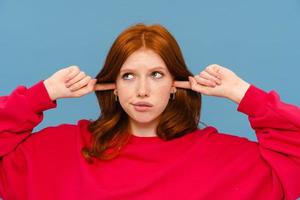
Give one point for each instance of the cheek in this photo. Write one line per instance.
(125, 95)
(162, 88)
(125, 90)
(161, 95)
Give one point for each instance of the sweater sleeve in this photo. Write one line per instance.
(277, 127)
(20, 112)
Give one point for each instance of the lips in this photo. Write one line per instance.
(142, 106)
(142, 103)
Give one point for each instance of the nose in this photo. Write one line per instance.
(142, 88)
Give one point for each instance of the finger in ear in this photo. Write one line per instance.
(193, 82)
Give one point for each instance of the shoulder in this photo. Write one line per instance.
(213, 134)
(218, 142)
(52, 146)
(59, 136)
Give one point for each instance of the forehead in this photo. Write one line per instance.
(143, 59)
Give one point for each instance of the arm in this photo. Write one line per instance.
(277, 127)
(277, 124)
(21, 111)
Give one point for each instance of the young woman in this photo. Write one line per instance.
(146, 144)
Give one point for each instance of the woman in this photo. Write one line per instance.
(146, 144)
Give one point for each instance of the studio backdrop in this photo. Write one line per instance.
(258, 40)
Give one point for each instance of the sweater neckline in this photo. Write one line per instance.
(145, 138)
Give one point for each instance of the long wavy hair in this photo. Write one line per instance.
(181, 116)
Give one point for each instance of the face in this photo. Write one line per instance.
(144, 85)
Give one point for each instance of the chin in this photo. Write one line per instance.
(143, 119)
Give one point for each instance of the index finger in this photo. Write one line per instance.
(104, 86)
(182, 84)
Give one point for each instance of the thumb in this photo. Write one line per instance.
(195, 86)
(193, 82)
(93, 83)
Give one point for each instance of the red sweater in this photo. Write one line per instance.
(203, 164)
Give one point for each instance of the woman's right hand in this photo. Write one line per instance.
(71, 82)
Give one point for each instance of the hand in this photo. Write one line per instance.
(216, 80)
(71, 82)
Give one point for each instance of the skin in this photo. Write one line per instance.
(144, 83)
(144, 77)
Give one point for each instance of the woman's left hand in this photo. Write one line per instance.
(216, 80)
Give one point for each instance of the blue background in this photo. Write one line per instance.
(259, 40)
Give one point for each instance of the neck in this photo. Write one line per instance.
(143, 129)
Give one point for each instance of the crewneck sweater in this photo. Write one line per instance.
(202, 164)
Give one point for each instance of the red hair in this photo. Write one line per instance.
(181, 116)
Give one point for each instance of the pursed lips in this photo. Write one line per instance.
(142, 103)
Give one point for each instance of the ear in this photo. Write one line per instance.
(173, 89)
(115, 92)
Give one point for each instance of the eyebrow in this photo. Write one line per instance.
(154, 68)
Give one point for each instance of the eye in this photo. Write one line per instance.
(127, 76)
(157, 74)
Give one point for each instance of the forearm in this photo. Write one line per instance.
(20, 112)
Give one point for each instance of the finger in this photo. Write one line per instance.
(214, 68)
(204, 81)
(86, 89)
(214, 71)
(182, 84)
(206, 75)
(81, 75)
(194, 85)
(83, 82)
(72, 72)
(104, 86)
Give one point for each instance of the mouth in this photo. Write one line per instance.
(142, 103)
(142, 106)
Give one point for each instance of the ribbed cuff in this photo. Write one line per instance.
(254, 103)
(39, 98)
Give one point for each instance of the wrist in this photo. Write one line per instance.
(50, 89)
(239, 91)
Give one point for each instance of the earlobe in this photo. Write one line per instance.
(173, 90)
(115, 92)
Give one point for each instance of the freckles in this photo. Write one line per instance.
(161, 93)
(163, 87)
